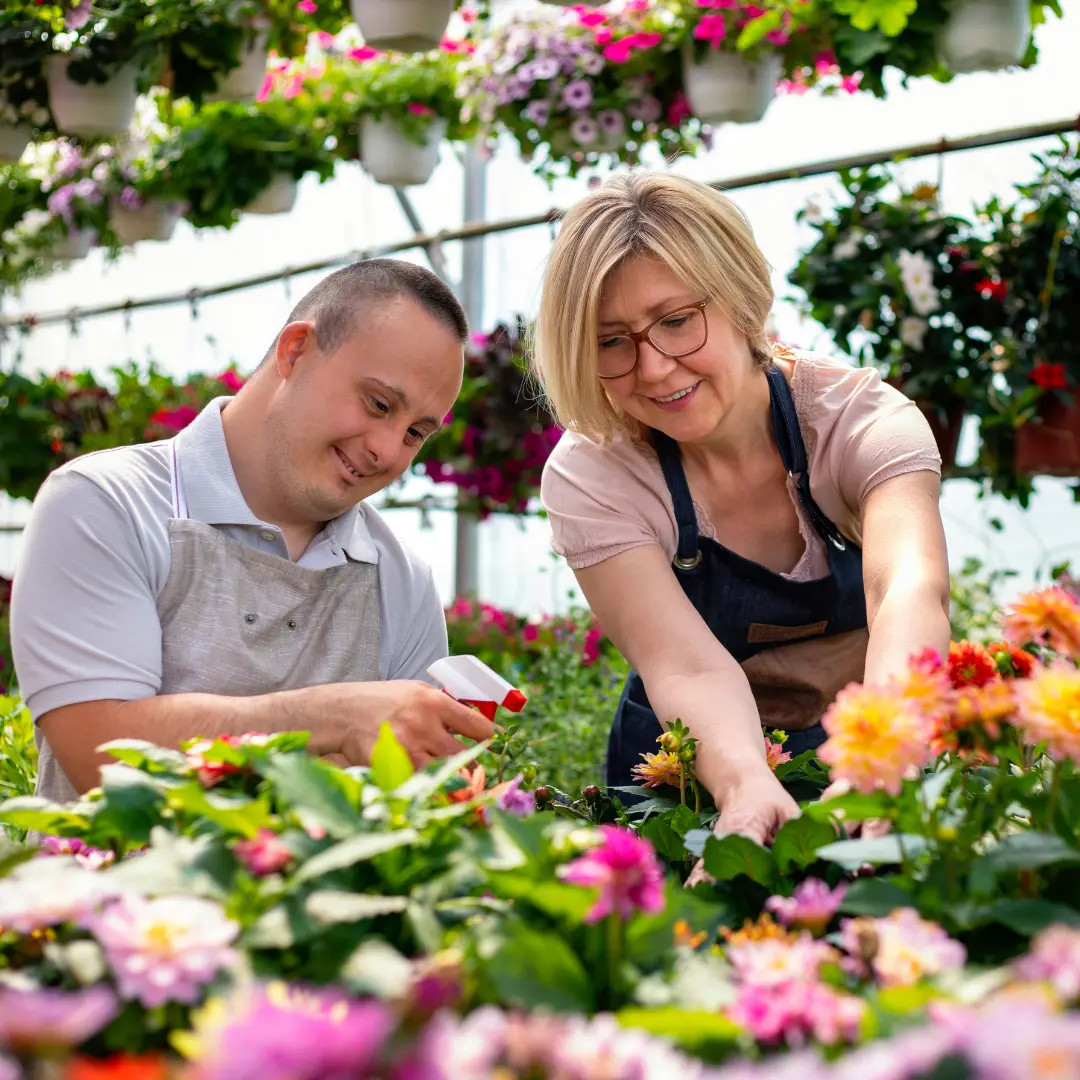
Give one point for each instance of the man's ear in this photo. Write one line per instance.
(294, 343)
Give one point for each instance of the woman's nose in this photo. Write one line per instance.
(653, 365)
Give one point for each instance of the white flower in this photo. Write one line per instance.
(849, 248)
(925, 301)
(48, 892)
(912, 332)
(812, 213)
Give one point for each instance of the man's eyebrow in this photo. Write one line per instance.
(403, 400)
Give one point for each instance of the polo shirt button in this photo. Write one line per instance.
(292, 624)
(266, 534)
(250, 618)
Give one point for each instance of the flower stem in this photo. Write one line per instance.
(682, 784)
(614, 951)
(1055, 787)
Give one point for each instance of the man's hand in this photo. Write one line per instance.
(424, 720)
(754, 806)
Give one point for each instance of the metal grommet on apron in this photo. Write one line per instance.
(747, 606)
(216, 584)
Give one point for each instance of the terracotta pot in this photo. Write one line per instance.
(946, 421)
(1049, 443)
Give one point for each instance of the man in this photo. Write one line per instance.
(232, 578)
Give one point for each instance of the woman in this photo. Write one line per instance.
(753, 528)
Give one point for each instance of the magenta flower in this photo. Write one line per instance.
(167, 948)
(231, 381)
(618, 52)
(287, 1033)
(624, 869)
(810, 907)
(712, 29)
(365, 52)
(419, 109)
(85, 855)
(33, 1021)
(308, 7)
(793, 1012)
(263, 854)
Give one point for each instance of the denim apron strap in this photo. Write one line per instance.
(688, 552)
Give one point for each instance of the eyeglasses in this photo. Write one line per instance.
(678, 333)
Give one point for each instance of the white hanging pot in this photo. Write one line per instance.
(75, 245)
(245, 81)
(278, 197)
(403, 25)
(726, 87)
(92, 108)
(154, 220)
(14, 139)
(985, 35)
(392, 159)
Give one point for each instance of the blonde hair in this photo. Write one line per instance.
(700, 234)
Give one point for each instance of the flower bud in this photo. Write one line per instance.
(590, 793)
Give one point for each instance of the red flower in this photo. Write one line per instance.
(991, 289)
(118, 1067)
(1011, 663)
(970, 665)
(56, 446)
(176, 419)
(1049, 376)
(230, 380)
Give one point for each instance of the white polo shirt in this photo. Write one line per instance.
(95, 557)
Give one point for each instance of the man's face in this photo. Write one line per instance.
(347, 424)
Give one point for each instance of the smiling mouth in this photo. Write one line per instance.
(676, 396)
(349, 466)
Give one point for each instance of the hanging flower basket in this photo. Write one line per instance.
(278, 197)
(90, 109)
(985, 35)
(245, 81)
(154, 220)
(402, 25)
(726, 87)
(1049, 443)
(14, 139)
(75, 245)
(391, 158)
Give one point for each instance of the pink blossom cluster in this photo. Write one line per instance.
(625, 872)
(726, 19)
(824, 75)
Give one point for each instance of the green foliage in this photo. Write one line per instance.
(18, 754)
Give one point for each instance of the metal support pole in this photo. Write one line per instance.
(471, 292)
(432, 247)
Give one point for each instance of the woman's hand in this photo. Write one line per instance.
(755, 805)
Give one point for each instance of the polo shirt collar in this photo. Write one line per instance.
(213, 495)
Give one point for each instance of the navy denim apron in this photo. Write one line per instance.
(747, 606)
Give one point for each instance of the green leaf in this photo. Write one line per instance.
(691, 1030)
(552, 897)
(881, 850)
(683, 819)
(234, 814)
(390, 764)
(308, 786)
(279, 928)
(664, 839)
(146, 755)
(1029, 917)
(349, 852)
(132, 805)
(851, 807)
(874, 896)
(727, 857)
(534, 969)
(1025, 851)
(43, 816)
(798, 841)
(328, 906)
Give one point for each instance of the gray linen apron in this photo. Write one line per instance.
(241, 622)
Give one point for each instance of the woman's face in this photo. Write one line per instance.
(643, 289)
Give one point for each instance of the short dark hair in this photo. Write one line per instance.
(336, 304)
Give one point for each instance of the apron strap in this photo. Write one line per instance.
(789, 441)
(180, 507)
(688, 555)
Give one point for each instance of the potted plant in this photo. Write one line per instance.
(889, 278)
(1030, 277)
(407, 106)
(735, 53)
(574, 86)
(228, 156)
(23, 92)
(402, 25)
(494, 447)
(936, 38)
(100, 57)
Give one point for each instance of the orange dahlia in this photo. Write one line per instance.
(1049, 617)
(1049, 709)
(658, 769)
(970, 665)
